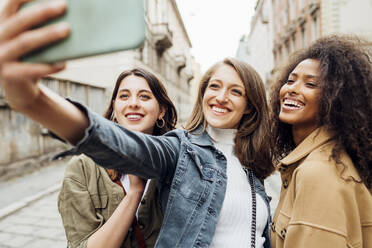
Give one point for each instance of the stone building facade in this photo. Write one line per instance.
(280, 27)
(26, 145)
(256, 47)
(296, 24)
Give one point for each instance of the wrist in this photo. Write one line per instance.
(135, 193)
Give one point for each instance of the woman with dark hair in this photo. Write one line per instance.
(98, 206)
(322, 107)
(210, 175)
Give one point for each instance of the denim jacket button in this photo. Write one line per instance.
(211, 211)
(220, 156)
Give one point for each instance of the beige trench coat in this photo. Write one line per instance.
(322, 204)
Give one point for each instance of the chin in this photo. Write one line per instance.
(285, 119)
(218, 125)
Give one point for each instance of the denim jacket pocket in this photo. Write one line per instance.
(208, 174)
(196, 176)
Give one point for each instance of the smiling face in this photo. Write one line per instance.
(224, 100)
(135, 106)
(299, 97)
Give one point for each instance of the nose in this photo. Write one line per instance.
(133, 102)
(222, 96)
(293, 88)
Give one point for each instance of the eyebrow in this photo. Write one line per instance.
(233, 85)
(140, 91)
(306, 76)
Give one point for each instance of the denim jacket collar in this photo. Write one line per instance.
(200, 138)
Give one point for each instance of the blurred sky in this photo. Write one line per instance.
(215, 27)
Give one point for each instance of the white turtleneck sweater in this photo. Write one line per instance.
(235, 220)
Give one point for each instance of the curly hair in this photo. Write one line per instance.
(345, 99)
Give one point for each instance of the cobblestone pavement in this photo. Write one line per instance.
(33, 220)
(35, 226)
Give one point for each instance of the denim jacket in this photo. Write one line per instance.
(191, 172)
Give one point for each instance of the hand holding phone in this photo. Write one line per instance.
(97, 26)
(19, 80)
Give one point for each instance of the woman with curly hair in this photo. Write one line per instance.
(322, 126)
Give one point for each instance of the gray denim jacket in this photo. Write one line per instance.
(191, 172)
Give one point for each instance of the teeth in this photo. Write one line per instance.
(292, 103)
(219, 110)
(134, 116)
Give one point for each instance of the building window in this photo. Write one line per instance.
(294, 42)
(292, 9)
(315, 27)
(301, 4)
(287, 16)
(287, 49)
(303, 36)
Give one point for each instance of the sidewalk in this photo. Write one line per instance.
(28, 213)
(28, 208)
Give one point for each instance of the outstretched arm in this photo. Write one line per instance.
(106, 143)
(19, 80)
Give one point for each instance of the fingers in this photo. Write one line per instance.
(29, 17)
(31, 40)
(10, 7)
(17, 72)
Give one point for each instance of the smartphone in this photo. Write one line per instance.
(97, 26)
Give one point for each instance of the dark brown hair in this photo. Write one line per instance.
(159, 92)
(345, 99)
(252, 140)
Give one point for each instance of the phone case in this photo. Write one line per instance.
(97, 26)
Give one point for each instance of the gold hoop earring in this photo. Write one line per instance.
(162, 123)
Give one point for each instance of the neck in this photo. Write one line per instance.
(300, 133)
(223, 136)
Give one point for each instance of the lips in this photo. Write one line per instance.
(292, 104)
(219, 109)
(134, 116)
